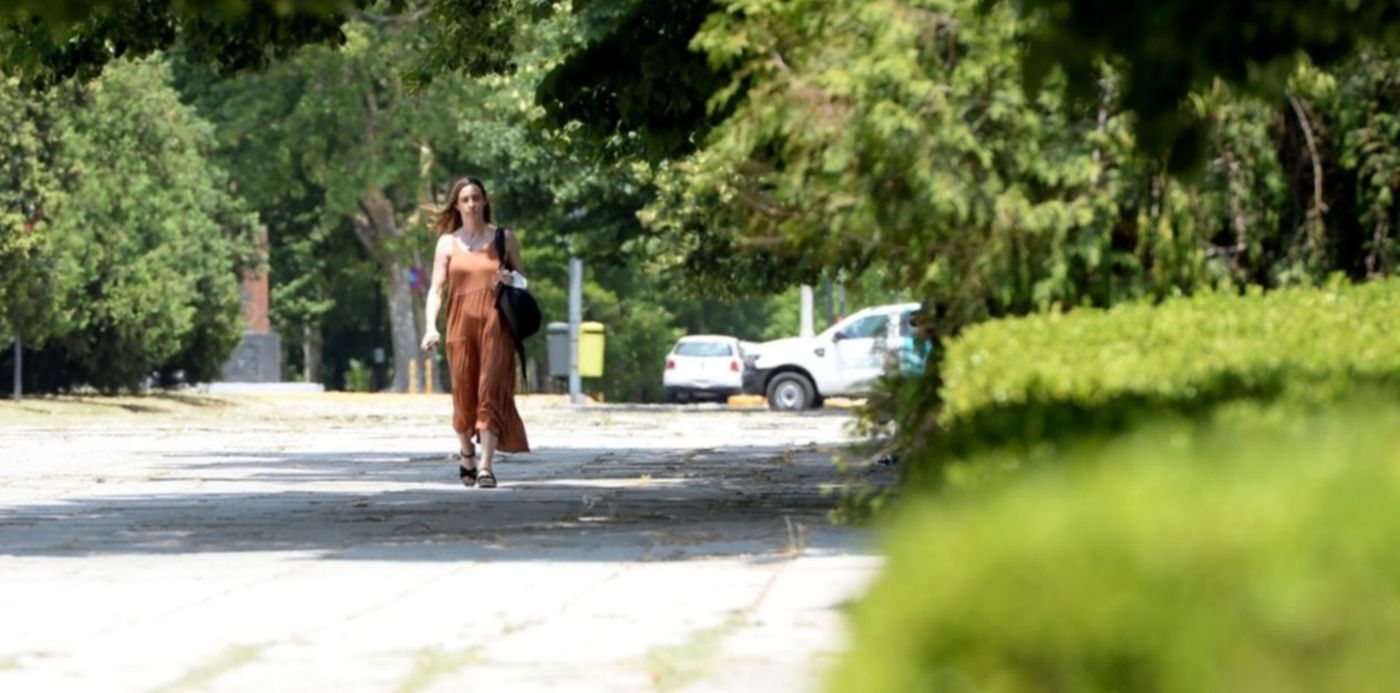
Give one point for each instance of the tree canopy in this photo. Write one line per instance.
(632, 70)
(43, 43)
(740, 146)
(127, 243)
(1167, 49)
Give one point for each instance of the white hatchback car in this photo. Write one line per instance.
(704, 366)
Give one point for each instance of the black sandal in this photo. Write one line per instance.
(467, 474)
(485, 479)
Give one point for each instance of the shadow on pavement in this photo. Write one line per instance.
(563, 504)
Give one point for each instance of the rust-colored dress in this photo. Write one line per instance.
(480, 352)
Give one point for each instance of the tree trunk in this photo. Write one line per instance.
(311, 353)
(403, 330)
(1314, 223)
(18, 392)
(376, 227)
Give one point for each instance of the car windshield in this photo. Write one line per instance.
(704, 349)
(870, 326)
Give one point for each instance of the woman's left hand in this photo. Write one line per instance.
(505, 277)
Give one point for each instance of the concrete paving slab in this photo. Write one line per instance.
(314, 542)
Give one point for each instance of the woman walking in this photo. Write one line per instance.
(480, 351)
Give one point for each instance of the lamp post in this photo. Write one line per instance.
(19, 355)
(805, 326)
(575, 312)
(575, 318)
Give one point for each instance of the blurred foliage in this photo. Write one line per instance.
(1252, 551)
(1179, 46)
(770, 143)
(1362, 106)
(1028, 385)
(909, 147)
(634, 82)
(629, 71)
(335, 152)
(357, 376)
(158, 235)
(44, 43)
(297, 138)
(478, 37)
(133, 243)
(32, 274)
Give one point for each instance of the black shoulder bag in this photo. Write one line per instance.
(518, 309)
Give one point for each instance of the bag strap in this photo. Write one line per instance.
(501, 247)
(505, 262)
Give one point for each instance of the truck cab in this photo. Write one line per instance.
(844, 360)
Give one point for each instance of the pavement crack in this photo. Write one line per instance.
(206, 672)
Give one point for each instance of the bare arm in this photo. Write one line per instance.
(441, 256)
(513, 251)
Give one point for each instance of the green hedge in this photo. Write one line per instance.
(1254, 552)
(1046, 378)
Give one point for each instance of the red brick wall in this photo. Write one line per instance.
(254, 293)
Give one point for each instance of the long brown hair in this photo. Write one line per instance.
(448, 218)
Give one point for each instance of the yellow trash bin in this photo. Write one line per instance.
(590, 349)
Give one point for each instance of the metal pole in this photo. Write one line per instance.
(805, 329)
(827, 300)
(575, 317)
(841, 296)
(19, 354)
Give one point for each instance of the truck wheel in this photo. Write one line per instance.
(790, 392)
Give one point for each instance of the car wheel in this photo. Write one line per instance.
(668, 395)
(790, 392)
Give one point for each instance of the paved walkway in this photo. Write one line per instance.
(323, 543)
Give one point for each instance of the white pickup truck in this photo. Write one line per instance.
(844, 360)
